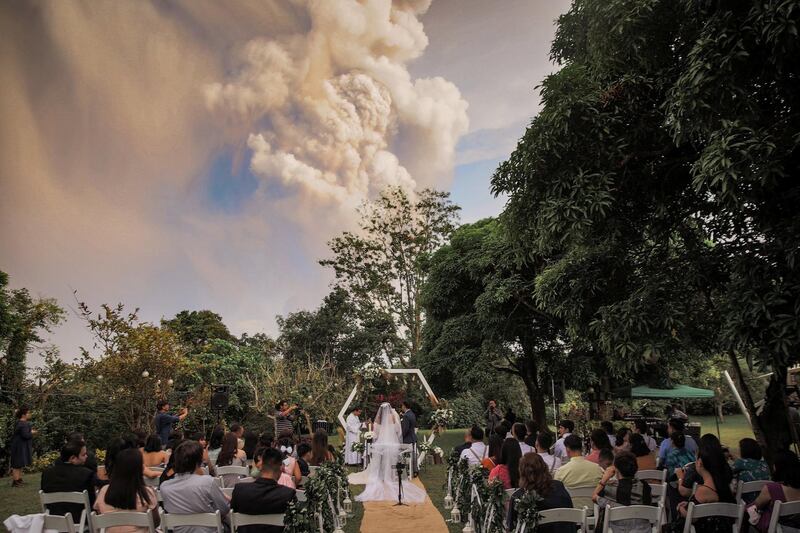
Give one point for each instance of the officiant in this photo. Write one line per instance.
(353, 432)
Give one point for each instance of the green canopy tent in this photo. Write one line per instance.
(678, 391)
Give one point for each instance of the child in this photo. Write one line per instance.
(303, 457)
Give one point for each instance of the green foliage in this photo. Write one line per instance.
(197, 328)
(383, 267)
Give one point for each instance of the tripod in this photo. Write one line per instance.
(400, 467)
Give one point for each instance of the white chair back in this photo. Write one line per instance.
(151, 482)
(580, 492)
(81, 498)
(633, 512)
(170, 521)
(566, 514)
(704, 510)
(660, 475)
(240, 470)
(239, 519)
(746, 487)
(100, 522)
(62, 524)
(780, 510)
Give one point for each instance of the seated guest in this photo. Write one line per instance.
(713, 477)
(678, 455)
(303, 457)
(619, 486)
(238, 430)
(265, 440)
(319, 448)
(599, 441)
(608, 427)
(200, 438)
(785, 488)
(191, 490)
(645, 459)
(250, 443)
(532, 431)
(493, 455)
(507, 469)
(578, 472)
(127, 491)
(640, 427)
(215, 444)
(152, 454)
(264, 495)
(477, 449)
(503, 429)
(290, 466)
(675, 424)
(535, 476)
(169, 469)
(750, 466)
(622, 441)
(466, 444)
(91, 457)
(520, 432)
(605, 458)
(544, 440)
(68, 474)
(231, 455)
(565, 429)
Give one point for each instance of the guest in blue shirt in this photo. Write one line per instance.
(675, 424)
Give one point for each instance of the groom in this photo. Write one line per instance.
(408, 424)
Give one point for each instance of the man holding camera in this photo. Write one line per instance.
(284, 419)
(493, 418)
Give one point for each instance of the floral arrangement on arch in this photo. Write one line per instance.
(442, 418)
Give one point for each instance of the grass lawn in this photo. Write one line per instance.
(23, 500)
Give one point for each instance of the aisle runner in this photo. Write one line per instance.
(384, 517)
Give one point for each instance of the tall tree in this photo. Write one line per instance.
(482, 317)
(196, 328)
(383, 266)
(661, 179)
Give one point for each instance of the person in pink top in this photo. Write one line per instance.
(127, 491)
(598, 440)
(507, 469)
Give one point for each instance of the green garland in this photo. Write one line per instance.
(527, 509)
(492, 496)
(320, 489)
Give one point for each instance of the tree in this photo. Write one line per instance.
(196, 328)
(660, 181)
(338, 333)
(383, 267)
(480, 308)
(22, 321)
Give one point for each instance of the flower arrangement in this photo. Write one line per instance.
(442, 417)
(368, 436)
(424, 447)
(358, 447)
(438, 451)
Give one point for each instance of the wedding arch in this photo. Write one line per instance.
(409, 371)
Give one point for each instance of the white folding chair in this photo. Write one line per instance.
(100, 522)
(781, 510)
(658, 492)
(152, 482)
(647, 475)
(241, 471)
(631, 512)
(170, 521)
(584, 492)
(566, 514)
(62, 524)
(81, 498)
(746, 487)
(703, 510)
(239, 519)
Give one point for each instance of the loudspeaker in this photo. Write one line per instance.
(219, 397)
(558, 391)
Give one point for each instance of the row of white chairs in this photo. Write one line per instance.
(221, 471)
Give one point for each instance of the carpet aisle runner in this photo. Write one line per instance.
(384, 517)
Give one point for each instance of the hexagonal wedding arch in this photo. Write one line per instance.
(414, 371)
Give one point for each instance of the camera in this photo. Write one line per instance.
(400, 467)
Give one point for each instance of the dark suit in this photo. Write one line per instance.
(263, 496)
(409, 425)
(67, 477)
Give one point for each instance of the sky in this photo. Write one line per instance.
(199, 155)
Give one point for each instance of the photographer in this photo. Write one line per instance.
(284, 419)
(493, 417)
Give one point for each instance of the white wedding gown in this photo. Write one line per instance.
(386, 449)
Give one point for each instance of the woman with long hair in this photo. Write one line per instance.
(319, 448)
(153, 454)
(622, 440)
(127, 491)
(21, 447)
(492, 458)
(645, 459)
(215, 444)
(599, 441)
(231, 455)
(534, 475)
(250, 443)
(507, 469)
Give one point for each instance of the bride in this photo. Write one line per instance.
(381, 473)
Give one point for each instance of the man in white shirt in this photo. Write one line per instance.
(543, 442)
(520, 432)
(565, 428)
(477, 449)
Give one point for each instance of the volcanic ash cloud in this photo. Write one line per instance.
(331, 113)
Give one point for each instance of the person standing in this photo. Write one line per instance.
(493, 418)
(284, 419)
(353, 430)
(163, 420)
(408, 424)
(21, 447)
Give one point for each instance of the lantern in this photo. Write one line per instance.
(455, 515)
(448, 502)
(348, 504)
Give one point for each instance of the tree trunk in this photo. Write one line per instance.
(747, 398)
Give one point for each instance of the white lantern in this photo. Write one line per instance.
(342, 517)
(468, 528)
(455, 515)
(170, 382)
(448, 502)
(347, 504)
(145, 374)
